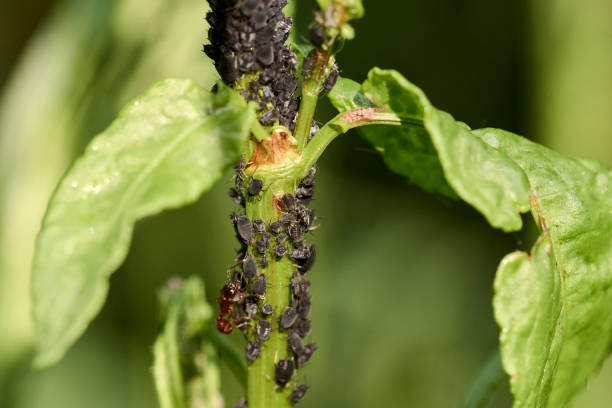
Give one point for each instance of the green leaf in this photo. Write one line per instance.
(572, 202)
(186, 369)
(436, 152)
(528, 307)
(163, 151)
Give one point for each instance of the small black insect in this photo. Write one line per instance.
(281, 239)
(297, 394)
(239, 170)
(266, 237)
(249, 267)
(309, 351)
(295, 232)
(304, 192)
(304, 306)
(296, 344)
(267, 309)
(287, 219)
(304, 265)
(263, 329)
(280, 251)
(251, 309)
(299, 286)
(309, 180)
(317, 35)
(306, 67)
(255, 187)
(288, 318)
(263, 262)
(261, 246)
(302, 253)
(236, 196)
(259, 285)
(331, 80)
(284, 372)
(243, 404)
(259, 224)
(276, 227)
(302, 327)
(252, 351)
(244, 227)
(288, 201)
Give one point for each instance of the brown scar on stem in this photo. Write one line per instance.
(362, 115)
(272, 150)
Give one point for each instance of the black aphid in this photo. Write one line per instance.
(298, 393)
(288, 201)
(284, 372)
(249, 267)
(239, 170)
(288, 318)
(263, 262)
(331, 80)
(251, 309)
(304, 305)
(276, 227)
(252, 351)
(302, 327)
(299, 286)
(295, 232)
(255, 187)
(303, 253)
(304, 192)
(244, 227)
(267, 309)
(309, 180)
(296, 344)
(259, 285)
(309, 351)
(287, 219)
(304, 265)
(317, 35)
(263, 329)
(236, 196)
(243, 404)
(261, 246)
(281, 239)
(280, 251)
(266, 237)
(259, 225)
(306, 66)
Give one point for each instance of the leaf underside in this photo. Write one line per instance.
(163, 151)
(552, 305)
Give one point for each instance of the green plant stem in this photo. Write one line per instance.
(262, 391)
(342, 123)
(488, 380)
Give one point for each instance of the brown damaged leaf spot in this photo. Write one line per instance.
(362, 115)
(536, 206)
(272, 150)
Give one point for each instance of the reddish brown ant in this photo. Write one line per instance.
(231, 293)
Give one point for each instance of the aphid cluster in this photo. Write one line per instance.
(248, 36)
(242, 301)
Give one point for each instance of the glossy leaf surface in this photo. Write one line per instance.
(572, 202)
(163, 151)
(436, 152)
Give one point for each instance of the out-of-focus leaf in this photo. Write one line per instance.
(572, 201)
(163, 151)
(186, 369)
(436, 152)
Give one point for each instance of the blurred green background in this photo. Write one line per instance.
(403, 282)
